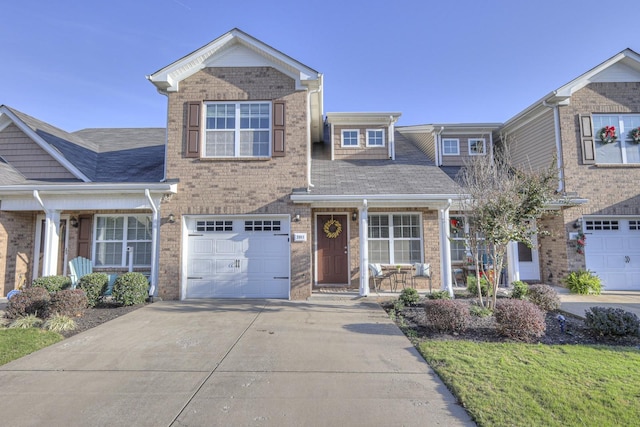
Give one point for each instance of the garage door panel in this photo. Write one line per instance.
(246, 262)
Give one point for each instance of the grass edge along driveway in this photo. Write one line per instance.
(16, 343)
(512, 384)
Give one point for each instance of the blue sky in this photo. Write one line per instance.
(81, 64)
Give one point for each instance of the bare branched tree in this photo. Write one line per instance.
(500, 201)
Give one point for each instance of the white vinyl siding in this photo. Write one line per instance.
(532, 143)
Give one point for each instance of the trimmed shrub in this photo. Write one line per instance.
(440, 294)
(69, 302)
(131, 289)
(94, 285)
(409, 296)
(583, 282)
(544, 296)
(447, 315)
(29, 301)
(520, 289)
(611, 321)
(59, 323)
(472, 286)
(52, 283)
(519, 320)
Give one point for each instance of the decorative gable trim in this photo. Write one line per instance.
(5, 112)
(238, 48)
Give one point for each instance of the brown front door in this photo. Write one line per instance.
(333, 257)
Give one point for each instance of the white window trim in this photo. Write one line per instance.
(484, 146)
(236, 130)
(375, 145)
(457, 141)
(124, 241)
(391, 239)
(357, 131)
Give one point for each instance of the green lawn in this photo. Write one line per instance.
(510, 384)
(15, 343)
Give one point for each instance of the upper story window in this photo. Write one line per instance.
(237, 129)
(624, 150)
(375, 138)
(477, 147)
(450, 147)
(350, 137)
(115, 233)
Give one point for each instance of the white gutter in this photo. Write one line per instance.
(36, 196)
(438, 146)
(392, 140)
(89, 188)
(356, 198)
(556, 128)
(155, 229)
(309, 93)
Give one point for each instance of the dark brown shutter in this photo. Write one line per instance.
(84, 236)
(278, 129)
(192, 148)
(587, 141)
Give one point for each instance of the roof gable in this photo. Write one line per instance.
(235, 48)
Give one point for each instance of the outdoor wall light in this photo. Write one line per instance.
(354, 216)
(172, 218)
(578, 223)
(296, 218)
(73, 221)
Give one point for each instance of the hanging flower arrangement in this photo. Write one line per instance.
(608, 134)
(332, 228)
(635, 135)
(580, 244)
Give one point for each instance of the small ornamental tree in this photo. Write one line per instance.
(500, 201)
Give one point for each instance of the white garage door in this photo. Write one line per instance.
(612, 251)
(241, 257)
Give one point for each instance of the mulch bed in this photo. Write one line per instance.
(483, 329)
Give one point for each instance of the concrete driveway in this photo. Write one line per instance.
(231, 363)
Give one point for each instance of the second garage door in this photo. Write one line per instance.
(241, 257)
(612, 251)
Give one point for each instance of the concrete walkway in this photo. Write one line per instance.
(579, 304)
(338, 361)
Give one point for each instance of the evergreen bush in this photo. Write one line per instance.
(131, 289)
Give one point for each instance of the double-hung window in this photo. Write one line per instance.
(395, 238)
(114, 233)
(624, 150)
(458, 238)
(477, 147)
(237, 129)
(350, 137)
(451, 147)
(375, 138)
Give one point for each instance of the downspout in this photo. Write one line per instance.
(445, 263)
(438, 145)
(309, 93)
(392, 139)
(156, 241)
(556, 128)
(364, 248)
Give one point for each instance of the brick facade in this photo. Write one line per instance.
(236, 186)
(16, 239)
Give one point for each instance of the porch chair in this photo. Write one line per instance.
(79, 267)
(377, 275)
(421, 270)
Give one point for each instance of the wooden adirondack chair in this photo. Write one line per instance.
(79, 267)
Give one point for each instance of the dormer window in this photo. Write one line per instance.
(375, 137)
(451, 147)
(477, 147)
(350, 137)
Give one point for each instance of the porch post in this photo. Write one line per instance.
(364, 248)
(445, 253)
(513, 269)
(155, 242)
(51, 243)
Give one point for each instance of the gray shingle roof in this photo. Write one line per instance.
(412, 172)
(103, 154)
